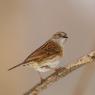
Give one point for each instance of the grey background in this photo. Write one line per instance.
(27, 24)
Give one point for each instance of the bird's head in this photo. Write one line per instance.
(59, 37)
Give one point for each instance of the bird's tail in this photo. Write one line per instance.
(17, 66)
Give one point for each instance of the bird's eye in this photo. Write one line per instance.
(57, 36)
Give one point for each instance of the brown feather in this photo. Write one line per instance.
(47, 51)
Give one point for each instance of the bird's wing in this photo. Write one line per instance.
(47, 51)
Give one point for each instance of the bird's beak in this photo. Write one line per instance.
(65, 36)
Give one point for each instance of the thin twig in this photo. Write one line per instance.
(83, 81)
(62, 72)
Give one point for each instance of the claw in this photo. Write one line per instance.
(60, 68)
(42, 80)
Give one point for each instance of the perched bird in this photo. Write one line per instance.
(48, 56)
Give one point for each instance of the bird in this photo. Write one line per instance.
(48, 56)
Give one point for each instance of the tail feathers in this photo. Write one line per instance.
(16, 66)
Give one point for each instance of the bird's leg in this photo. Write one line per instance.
(54, 69)
(41, 78)
(58, 69)
(48, 67)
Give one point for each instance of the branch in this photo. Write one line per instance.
(61, 73)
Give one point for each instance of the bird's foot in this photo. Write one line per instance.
(58, 69)
(42, 80)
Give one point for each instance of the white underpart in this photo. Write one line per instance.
(60, 41)
(50, 64)
(41, 68)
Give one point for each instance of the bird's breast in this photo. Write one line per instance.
(42, 67)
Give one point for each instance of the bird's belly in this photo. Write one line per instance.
(43, 67)
(47, 66)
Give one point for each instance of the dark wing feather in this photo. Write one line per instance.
(48, 50)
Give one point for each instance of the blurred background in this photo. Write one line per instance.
(27, 24)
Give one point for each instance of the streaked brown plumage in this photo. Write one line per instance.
(47, 51)
(48, 55)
